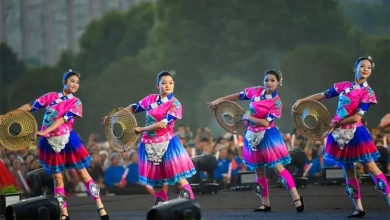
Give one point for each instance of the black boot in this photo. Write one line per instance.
(357, 214)
(103, 217)
(263, 208)
(302, 206)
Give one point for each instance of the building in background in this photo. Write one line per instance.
(39, 30)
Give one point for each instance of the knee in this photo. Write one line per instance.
(260, 172)
(371, 167)
(58, 179)
(349, 173)
(83, 175)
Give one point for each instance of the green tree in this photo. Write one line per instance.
(120, 84)
(35, 83)
(205, 117)
(309, 69)
(11, 68)
(201, 40)
(115, 35)
(372, 17)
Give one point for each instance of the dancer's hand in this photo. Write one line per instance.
(246, 117)
(138, 130)
(104, 119)
(293, 109)
(214, 103)
(332, 126)
(40, 133)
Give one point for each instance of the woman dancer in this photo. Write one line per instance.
(60, 147)
(263, 144)
(162, 158)
(349, 141)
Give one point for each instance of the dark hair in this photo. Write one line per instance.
(369, 58)
(163, 73)
(69, 74)
(272, 72)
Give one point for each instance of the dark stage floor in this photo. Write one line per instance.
(322, 202)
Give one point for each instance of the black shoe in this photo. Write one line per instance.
(103, 217)
(357, 214)
(66, 217)
(302, 206)
(263, 208)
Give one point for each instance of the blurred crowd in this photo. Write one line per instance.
(117, 173)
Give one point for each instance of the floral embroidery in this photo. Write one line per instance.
(149, 121)
(370, 91)
(278, 103)
(49, 117)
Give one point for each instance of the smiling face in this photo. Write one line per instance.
(363, 70)
(71, 85)
(271, 82)
(166, 85)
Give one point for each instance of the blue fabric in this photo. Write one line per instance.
(243, 96)
(330, 93)
(137, 108)
(170, 118)
(315, 168)
(74, 155)
(222, 168)
(36, 105)
(132, 175)
(272, 146)
(175, 160)
(360, 147)
(113, 175)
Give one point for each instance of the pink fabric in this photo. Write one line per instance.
(61, 191)
(263, 182)
(349, 102)
(350, 126)
(161, 194)
(354, 182)
(188, 187)
(383, 178)
(156, 114)
(57, 111)
(286, 175)
(93, 189)
(261, 108)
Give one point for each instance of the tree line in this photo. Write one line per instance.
(213, 47)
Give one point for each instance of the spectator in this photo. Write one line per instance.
(114, 173)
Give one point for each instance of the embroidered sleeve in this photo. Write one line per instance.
(367, 99)
(248, 93)
(175, 109)
(168, 119)
(137, 108)
(336, 89)
(330, 93)
(43, 101)
(68, 116)
(368, 96)
(363, 107)
(140, 106)
(77, 108)
(275, 111)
